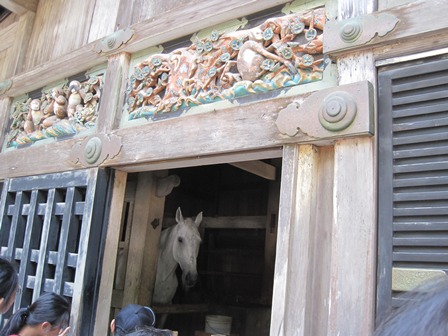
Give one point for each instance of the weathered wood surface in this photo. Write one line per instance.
(14, 39)
(351, 296)
(110, 253)
(271, 231)
(259, 168)
(78, 57)
(5, 105)
(410, 24)
(103, 21)
(20, 6)
(321, 235)
(113, 95)
(21, 40)
(151, 246)
(352, 286)
(146, 183)
(248, 127)
(286, 219)
(8, 35)
(66, 22)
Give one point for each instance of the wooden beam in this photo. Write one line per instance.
(228, 222)
(258, 168)
(20, 7)
(187, 140)
(410, 25)
(181, 308)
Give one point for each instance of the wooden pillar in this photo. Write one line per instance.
(145, 185)
(110, 254)
(144, 241)
(353, 247)
(296, 220)
(112, 99)
(152, 242)
(5, 107)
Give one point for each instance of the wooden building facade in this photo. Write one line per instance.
(312, 135)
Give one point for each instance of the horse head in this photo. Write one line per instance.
(186, 247)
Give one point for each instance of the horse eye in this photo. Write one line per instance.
(180, 239)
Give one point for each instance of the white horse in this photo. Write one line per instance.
(179, 245)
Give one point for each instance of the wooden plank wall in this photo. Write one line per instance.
(64, 26)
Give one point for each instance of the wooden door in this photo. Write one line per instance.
(51, 226)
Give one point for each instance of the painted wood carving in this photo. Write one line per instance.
(281, 52)
(59, 112)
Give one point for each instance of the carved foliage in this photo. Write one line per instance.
(61, 111)
(281, 52)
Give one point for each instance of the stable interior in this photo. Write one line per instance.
(237, 255)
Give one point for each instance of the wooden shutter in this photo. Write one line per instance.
(51, 225)
(413, 171)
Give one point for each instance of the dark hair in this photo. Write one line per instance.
(425, 312)
(150, 331)
(50, 307)
(8, 280)
(133, 316)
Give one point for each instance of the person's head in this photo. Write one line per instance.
(48, 315)
(131, 317)
(9, 281)
(150, 331)
(424, 313)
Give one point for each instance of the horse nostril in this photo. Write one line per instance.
(191, 279)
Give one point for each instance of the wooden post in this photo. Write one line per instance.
(353, 241)
(112, 99)
(285, 222)
(5, 107)
(151, 251)
(297, 313)
(299, 304)
(270, 240)
(145, 184)
(353, 249)
(110, 254)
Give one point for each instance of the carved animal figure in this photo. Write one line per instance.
(179, 246)
(75, 97)
(34, 118)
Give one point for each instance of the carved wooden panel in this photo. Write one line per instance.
(56, 112)
(279, 53)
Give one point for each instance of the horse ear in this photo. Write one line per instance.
(179, 217)
(198, 219)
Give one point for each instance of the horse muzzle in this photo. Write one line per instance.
(190, 280)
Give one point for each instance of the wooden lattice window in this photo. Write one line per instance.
(51, 225)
